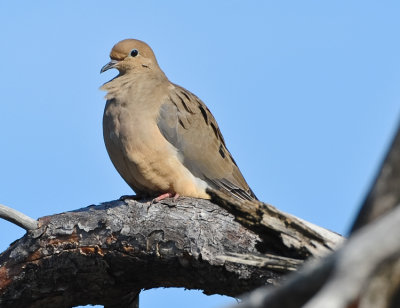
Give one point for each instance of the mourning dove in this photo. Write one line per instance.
(161, 138)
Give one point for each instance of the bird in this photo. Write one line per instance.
(162, 139)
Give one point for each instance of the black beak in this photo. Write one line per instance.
(108, 66)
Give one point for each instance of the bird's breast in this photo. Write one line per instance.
(128, 127)
(140, 153)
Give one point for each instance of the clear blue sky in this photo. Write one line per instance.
(307, 95)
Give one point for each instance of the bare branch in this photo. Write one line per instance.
(18, 218)
(365, 271)
(279, 229)
(360, 263)
(352, 273)
(100, 254)
(385, 192)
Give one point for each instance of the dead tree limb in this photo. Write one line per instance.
(18, 218)
(100, 254)
(365, 271)
(277, 229)
(384, 194)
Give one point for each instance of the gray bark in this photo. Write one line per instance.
(384, 194)
(365, 272)
(17, 218)
(105, 254)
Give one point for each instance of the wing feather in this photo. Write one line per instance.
(187, 123)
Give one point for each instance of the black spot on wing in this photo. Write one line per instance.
(172, 101)
(232, 159)
(204, 113)
(215, 130)
(181, 123)
(184, 94)
(221, 151)
(184, 104)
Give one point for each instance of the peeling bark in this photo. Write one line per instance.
(102, 254)
(281, 232)
(365, 271)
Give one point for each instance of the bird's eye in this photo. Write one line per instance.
(134, 52)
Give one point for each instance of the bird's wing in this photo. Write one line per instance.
(187, 123)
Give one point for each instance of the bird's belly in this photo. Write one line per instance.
(145, 159)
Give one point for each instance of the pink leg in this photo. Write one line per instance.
(162, 197)
(165, 196)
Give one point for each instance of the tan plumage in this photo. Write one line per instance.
(160, 137)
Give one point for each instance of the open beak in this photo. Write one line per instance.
(109, 65)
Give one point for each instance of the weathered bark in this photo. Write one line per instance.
(384, 194)
(365, 272)
(17, 218)
(102, 254)
(278, 230)
(105, 254)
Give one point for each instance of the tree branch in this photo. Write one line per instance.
(351, 277)
(384, 194)
(279, 230)
(18, 218)
(365, 271)
(100, 254)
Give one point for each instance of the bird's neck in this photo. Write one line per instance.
(134, 82)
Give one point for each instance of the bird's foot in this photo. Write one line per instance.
(165, 196)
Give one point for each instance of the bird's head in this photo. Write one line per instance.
(131, 55)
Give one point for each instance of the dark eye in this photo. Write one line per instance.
(134, 52)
